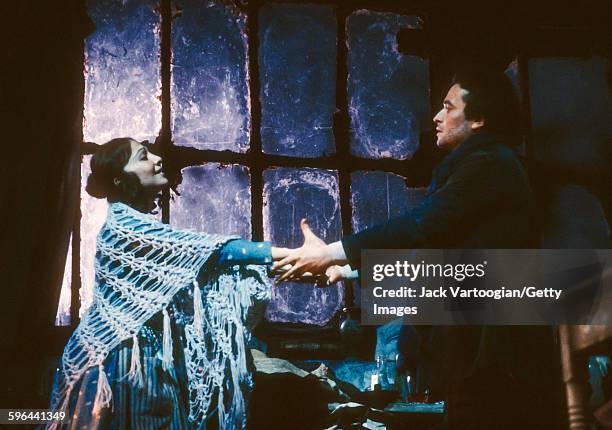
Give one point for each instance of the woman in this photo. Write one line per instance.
(163, 344)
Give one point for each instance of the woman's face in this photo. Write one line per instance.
(147, 167)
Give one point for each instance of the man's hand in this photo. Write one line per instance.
(279, 253)
(312, 257)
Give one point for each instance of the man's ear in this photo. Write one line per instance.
(476, 125)
(116, 182)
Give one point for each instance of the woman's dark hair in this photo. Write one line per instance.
(490, 96)
(106, 165)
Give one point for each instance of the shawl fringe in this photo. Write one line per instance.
(135, 375)
(141, 264)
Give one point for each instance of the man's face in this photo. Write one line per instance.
(452, 128)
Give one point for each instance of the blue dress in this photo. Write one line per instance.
(162, 402)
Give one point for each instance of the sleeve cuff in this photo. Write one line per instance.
(245, 252)
(336, 250)
(348, 273)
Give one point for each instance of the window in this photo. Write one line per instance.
(268, 113)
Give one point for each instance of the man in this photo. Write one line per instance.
(479, 197)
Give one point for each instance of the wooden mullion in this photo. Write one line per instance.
(523, 68)
(342, 136)
(412, 169)
(343, 158)
(165, 141)
(253, 157)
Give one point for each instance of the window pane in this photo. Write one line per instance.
(209, 77)
(122, 85)
(122, 72)
(570, 110)
(93, 215)
(379, 196)
(388, 92)
(298, 79)
(290, 195)
(62, 317)
(375, 198)
(214, 199)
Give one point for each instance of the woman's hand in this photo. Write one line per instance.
(338, 273)
(334, 274)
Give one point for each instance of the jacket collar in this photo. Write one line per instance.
(446, 167)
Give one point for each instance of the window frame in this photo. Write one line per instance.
(415, 170)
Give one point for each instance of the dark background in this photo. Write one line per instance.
(41, 102)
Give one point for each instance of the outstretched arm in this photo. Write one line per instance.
(241, 251)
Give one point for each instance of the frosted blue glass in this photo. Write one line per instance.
(214, 199)
(297, 60)
(388, 92)
(210, 97)
(571, 110)
(290, 195)
(378, 196)
(122, 71)
(62, 316)
(122, 88)
(93, 215)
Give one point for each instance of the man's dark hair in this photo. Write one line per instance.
(491, 97)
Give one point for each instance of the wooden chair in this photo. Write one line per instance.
(577, 344)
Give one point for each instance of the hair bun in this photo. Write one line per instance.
(95, 187)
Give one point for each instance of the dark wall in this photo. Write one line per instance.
(41, 97)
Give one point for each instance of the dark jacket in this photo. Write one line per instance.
(479, 197)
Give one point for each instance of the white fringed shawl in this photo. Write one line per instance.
(141, 264)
